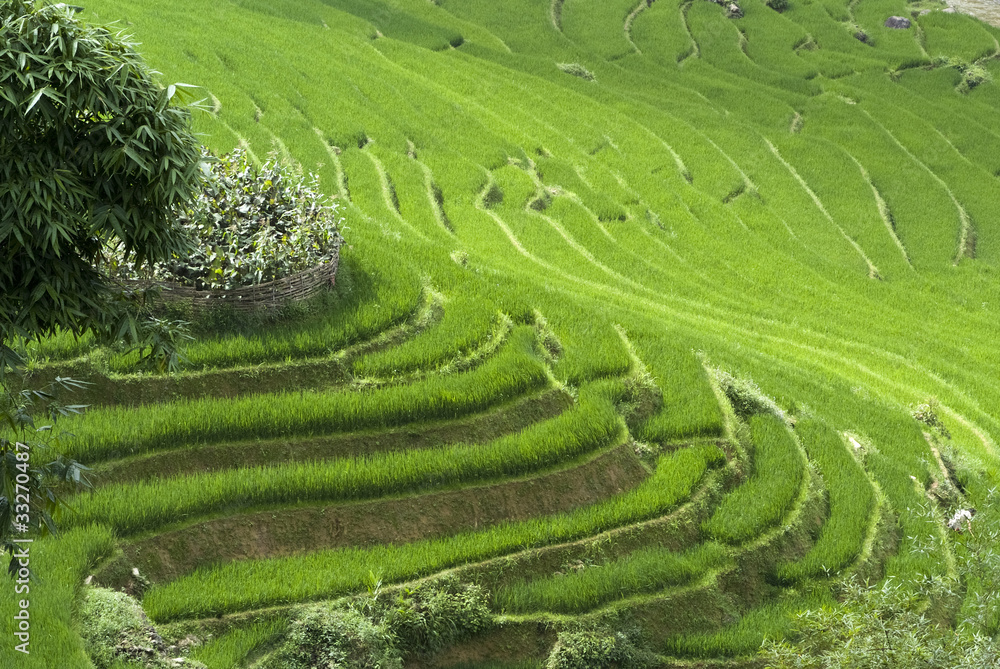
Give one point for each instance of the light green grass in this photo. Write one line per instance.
(690, 407)
(107, 433)
(852, 502)
(257, 583)
(142, 507)
(761, 501)
(232, 648)
(744, 638)
(642, 571)
(63, 563)
(729, 189)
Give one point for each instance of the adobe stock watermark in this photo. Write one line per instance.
(21, 556)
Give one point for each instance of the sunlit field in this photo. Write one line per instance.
(635, 306)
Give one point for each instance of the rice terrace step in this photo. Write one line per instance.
(662, 334)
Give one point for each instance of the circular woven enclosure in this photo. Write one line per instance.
(269, 296)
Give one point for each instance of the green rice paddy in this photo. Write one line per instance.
(615, 201)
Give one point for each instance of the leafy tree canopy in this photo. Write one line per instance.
(92, 155)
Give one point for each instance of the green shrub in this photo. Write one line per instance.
(777, 5)
(334, 635)
(596, 649)
(880, 625)
(576, 70)
(436, 614)
(250, 225)
(926, 413)
(973, 74)
(116, 631)
(374, 632)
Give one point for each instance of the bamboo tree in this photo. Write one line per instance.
(93, 155)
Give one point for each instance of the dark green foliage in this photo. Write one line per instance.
(777, 5)
(327, 635)
(375, 631)
(926, 413)
(597, 649)
(973, 75)
(437, 614)
(500, 664)
(159, 346)
(251, 224)
(92, 154)
(30, 473)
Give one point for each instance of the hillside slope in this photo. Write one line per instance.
(564, 219)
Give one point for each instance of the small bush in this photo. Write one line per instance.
(437, 614)
(335, 635)
(777, 5)
(373, 632)
(972, 74)
(596, 649)
(116, 631)
(576, 70)
(880, 626)
(926, 413)
(250, 225)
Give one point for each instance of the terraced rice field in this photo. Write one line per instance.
(553, 289)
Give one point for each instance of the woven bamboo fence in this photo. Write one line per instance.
(270, 296)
